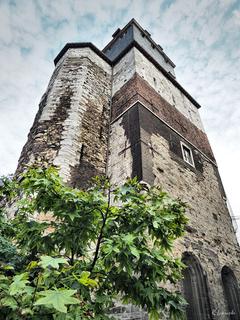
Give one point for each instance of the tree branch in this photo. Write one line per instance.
(100, 237)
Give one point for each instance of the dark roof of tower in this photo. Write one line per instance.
(134, 32)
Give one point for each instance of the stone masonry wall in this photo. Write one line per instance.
(138, 89)
(210, 235)
(125, 148)
(71, 130)
(135, 62)
(119, 153)
(166, 89)
(71, 127)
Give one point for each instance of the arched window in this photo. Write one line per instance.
(231, 292)
(195, 290)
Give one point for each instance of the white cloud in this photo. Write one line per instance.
(236, 15)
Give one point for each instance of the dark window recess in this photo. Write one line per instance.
(231, 292)
(195, 290)
(82, 152)
(101, 132)
(187, 154)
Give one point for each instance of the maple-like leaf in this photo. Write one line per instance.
(58, 298)
(19, 284)
(47, 261)
(86, 281)
(9, 302)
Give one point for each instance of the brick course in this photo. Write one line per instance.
(137, 89)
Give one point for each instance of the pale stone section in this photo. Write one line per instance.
(80, 87)
(123, 71)
(166, 88)
(128, 312)
(151, 49)
(56, 83)
(212, 238)
(135, 61)
(88, 53)
(52, 94)
(120, 157)
(68, 153)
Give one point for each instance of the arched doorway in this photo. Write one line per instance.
(231, 292)
(195, 290)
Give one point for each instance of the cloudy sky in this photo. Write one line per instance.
(202, 37)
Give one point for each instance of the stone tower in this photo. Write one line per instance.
(121, 112)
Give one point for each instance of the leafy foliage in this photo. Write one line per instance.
(58, 298)
(47, 261)
(85, 249)
(8, 252)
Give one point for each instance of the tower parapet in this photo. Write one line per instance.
(134, 34)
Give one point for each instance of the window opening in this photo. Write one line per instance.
(187, 154)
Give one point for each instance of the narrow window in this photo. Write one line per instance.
(187, 154)
(231, 292)
(195, 290)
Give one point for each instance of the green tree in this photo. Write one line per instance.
(100, 245)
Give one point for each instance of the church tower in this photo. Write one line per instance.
(121, 112)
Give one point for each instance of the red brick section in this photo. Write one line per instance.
(137, 89)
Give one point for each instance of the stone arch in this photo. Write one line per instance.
(195, 289)
(231, 292)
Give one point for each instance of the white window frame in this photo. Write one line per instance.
(183, 145)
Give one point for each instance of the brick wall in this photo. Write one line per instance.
(137, 89)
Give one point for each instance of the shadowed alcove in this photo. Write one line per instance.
(231, 292)
(195, 289)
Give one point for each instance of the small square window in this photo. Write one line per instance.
(187, 154)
